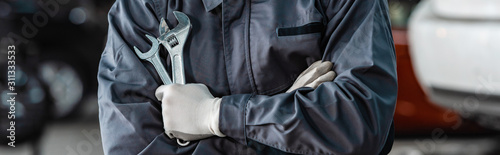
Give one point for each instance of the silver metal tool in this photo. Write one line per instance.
(163, 28)
(153, 56)
(174, 40)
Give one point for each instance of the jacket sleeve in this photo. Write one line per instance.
(130, 116)
(350, 115)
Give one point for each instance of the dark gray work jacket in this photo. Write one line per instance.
(249, 53)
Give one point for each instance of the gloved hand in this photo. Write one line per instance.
(314, 75)
(190, 112)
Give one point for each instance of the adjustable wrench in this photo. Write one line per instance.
(173, 40)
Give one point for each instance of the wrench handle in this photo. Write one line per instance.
(178, 69)
(160, 69)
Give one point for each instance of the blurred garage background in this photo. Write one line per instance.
(448, 54)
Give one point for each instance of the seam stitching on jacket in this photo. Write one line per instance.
(247, 49)
(245, 119)
(227, 60)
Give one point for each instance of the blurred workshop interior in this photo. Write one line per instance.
(447, 62)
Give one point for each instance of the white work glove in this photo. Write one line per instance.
(190, 112)
(314, 75)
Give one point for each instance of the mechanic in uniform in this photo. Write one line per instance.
(241, 59)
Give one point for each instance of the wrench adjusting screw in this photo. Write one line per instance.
(172, 41)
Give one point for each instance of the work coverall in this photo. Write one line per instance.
(249, 53)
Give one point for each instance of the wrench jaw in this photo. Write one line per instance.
(153, 56)
(154, 49)
(174, 41)
(184, 22)
(178, 35)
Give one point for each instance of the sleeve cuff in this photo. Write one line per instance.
(232, 116)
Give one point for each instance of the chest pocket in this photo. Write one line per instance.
(284, 39)
(315, 27)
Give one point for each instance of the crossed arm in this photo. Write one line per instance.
(349, 115)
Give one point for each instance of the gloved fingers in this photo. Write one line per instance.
(187, 136)
(308, 69)
(170, 134)
(159, 92)
(199, 86)
(312, 73)
(329, 76)
(316, 71)
(299, 83)
(324, 67)
(187, 88)
(291, 89)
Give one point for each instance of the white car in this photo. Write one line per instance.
(455, 49)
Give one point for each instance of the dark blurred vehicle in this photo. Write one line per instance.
(58, 46)
(61, 42)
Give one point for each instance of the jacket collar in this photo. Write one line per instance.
(211, 4)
